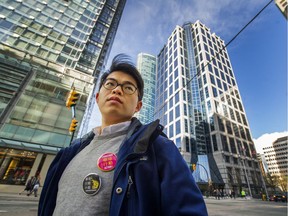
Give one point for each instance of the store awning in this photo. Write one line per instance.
(7, 143)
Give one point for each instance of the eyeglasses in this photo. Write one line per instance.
(127, 88)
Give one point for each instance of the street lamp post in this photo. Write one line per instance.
(263, 181)
(224, 167)
(245, 172)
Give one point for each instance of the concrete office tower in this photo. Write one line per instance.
(146, 64)
(262, 163)
(276, 157)
(46, 48)
(198, 102)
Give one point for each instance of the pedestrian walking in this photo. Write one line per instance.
(230, 193)
(28, 186)
(222, 194)
(121, 167)
(233, 194)
(243, 194)
(36, 186)
(215, 193)
(218, 194)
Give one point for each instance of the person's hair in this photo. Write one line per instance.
(123, 63)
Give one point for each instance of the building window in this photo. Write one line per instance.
(224, 143)
(229, 128)
(227, 159)
(186, 126)
(178, 127)
(177, 111)
(178, 142)
(212, 79)
(232, 145)
(171, 118)
(177, 97)
(15, 165)
(212, 124)
(215, 94)
(171, 132)
(215, 146)
(221, 124)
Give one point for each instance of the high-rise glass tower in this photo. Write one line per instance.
(46, 48)
(199, 103)
(146, 64)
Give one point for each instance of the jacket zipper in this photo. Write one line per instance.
(130, 182)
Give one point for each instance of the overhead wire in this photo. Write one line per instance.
(216, 55)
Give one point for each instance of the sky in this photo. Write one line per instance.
(258, 54)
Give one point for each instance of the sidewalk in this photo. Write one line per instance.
(23, 196)
(13, 204)
(229, 199)
(16, 196)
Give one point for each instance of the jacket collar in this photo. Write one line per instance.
(138, 144)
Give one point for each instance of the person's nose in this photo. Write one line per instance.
(118, 90)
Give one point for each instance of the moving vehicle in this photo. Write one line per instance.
(278, 197)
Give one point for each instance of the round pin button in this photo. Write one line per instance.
(91, 184)
(107, 162)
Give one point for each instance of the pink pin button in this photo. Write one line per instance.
(107, 162)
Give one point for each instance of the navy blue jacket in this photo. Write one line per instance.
(151, 178)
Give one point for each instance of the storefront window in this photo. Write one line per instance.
(15, 165)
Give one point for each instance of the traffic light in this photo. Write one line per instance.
(193, 167)
(72, 98)
(73, 125)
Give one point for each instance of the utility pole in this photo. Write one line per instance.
(245, 171)
(264, 184)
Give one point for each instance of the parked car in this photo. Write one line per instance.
(278, 197)
(284, 197)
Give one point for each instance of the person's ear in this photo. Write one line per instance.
(97, 97)
(138, 106)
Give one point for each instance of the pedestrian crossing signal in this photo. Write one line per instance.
(73, 125)
(72, 98)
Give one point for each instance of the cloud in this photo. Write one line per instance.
(267, 140)
(146, 25)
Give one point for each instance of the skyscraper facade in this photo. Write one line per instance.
(276, 157)
(146, 64)
(47, 48)
(199, 103)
